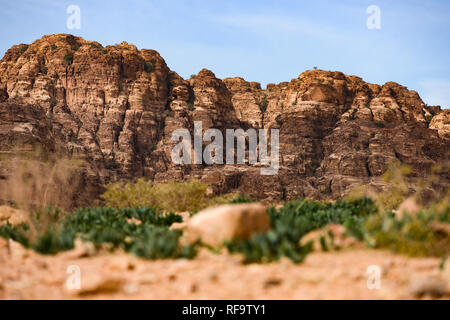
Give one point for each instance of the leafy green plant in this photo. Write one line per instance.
(142, 231)
(16, 233)
(155, 242)
(292, 222)
(242, 199)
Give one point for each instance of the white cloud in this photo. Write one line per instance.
(436, 92)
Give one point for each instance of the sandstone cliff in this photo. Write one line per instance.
(117, 106)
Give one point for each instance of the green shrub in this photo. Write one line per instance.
(154, 242)
(379, 124)
(411, 235)
(141, 231)
(148, 67)
(68, 58)
(54, 240)
(22, 48)
(43, 69)
(263, 104)
(172, 196)
(53, 102)
(242, 199)
(95, 45)
(292, 222)
(17, 233)
(395, 187)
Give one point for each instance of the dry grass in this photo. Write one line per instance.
(172, 196)
(36, 182)
(398, 186)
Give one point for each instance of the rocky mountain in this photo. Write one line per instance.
(117, 106)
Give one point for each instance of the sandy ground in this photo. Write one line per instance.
(333, 275)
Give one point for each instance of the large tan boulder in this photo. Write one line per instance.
(11, 215)
(215, 225)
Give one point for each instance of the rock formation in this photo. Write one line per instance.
(117, 106)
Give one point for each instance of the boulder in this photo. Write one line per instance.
(409, 206)
(215, 225)
(11, 215)
(431, 287)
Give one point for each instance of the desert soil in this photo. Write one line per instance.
(25, 274)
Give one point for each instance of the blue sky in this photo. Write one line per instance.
(265, 41)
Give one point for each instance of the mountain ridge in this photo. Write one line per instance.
(116, 107)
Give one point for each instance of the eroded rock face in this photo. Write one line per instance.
(441, 123)
(117, 107)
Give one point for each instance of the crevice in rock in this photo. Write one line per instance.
(369, 174)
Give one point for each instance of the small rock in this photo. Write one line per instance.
(440, 227)
(11, 215)
(178, 225)
(3, 243)
(97, 284)
(409, 206)
(215, 225)
(131, 288)
(434, 287)
(16, 250)
(334, 236)
(120, 263)
(81, 249)
(272, 282)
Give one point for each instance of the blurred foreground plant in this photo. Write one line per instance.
(141, 231)
(40, 180)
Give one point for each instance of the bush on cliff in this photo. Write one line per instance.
(172, 196)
